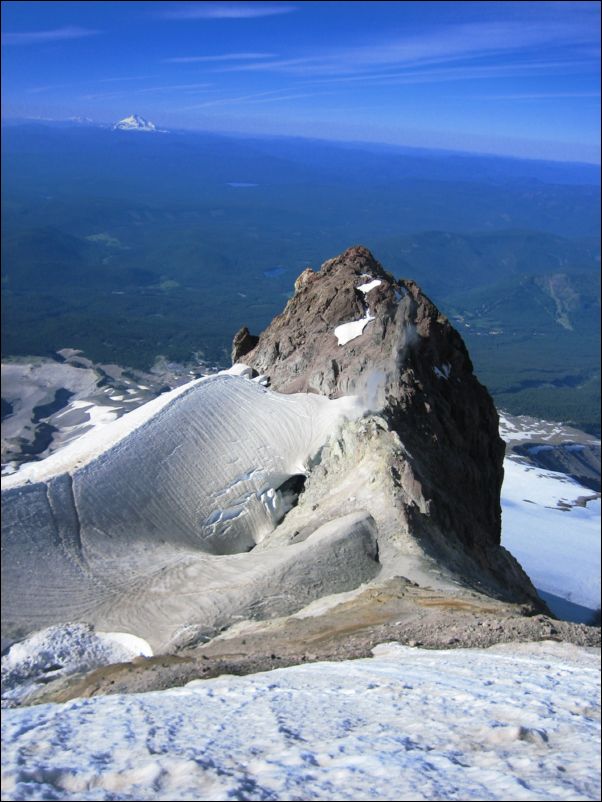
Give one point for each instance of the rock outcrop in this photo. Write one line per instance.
(427, 459)
(373, 461)
(244, 342)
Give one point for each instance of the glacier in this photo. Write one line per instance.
(179, 531)
(149, 524)
(559, 547)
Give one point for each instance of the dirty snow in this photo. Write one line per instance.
(519, 722)
(97, 413)
(522, 428)
(59, 651)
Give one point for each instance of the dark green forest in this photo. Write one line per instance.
(131, 247)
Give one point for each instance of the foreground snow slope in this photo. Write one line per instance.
(513, 722)
(559, 547)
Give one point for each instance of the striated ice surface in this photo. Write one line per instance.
(131, 526)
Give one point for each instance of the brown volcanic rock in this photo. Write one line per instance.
(441, 456)
(243, 342)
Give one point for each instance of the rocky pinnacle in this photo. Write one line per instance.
(411, 368)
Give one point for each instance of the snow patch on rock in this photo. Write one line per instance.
(443, 372)
(349, 331)
(370, 285)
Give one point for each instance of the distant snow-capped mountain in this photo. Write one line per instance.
(134, 123)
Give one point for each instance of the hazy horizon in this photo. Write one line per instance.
(374, 143)
(518, 79)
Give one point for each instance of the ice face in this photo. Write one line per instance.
(90, 531)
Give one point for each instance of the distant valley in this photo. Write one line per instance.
(131, 247)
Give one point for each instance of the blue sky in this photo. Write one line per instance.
(519, 78)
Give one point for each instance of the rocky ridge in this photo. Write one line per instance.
(426, 460)
(346, 626)
(396, 516)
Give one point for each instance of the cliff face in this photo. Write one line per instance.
(432, 423)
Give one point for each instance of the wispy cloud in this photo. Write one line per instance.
(122, 78)
(102, 96)
(221, 57)
(454, 44)
(446, 74)
(42, 37)
(271, 96)
(208, 10)
(185, 89)
(175, 88)
(36, 90)
(535, 96)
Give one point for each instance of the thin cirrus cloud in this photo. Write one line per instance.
(186, 89)
(205, 10)
(217, 58)
(271, 96)
(537, 96)
(122, 78)
(42, 37)
(37, 90)
(467, 42)
(198, 87)
(452, 73)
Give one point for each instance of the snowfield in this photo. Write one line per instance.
(516, 721)
(520, 721)
(558, 548)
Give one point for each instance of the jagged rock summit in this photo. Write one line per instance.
(353, 329)
(239, 527)
(135, 123)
